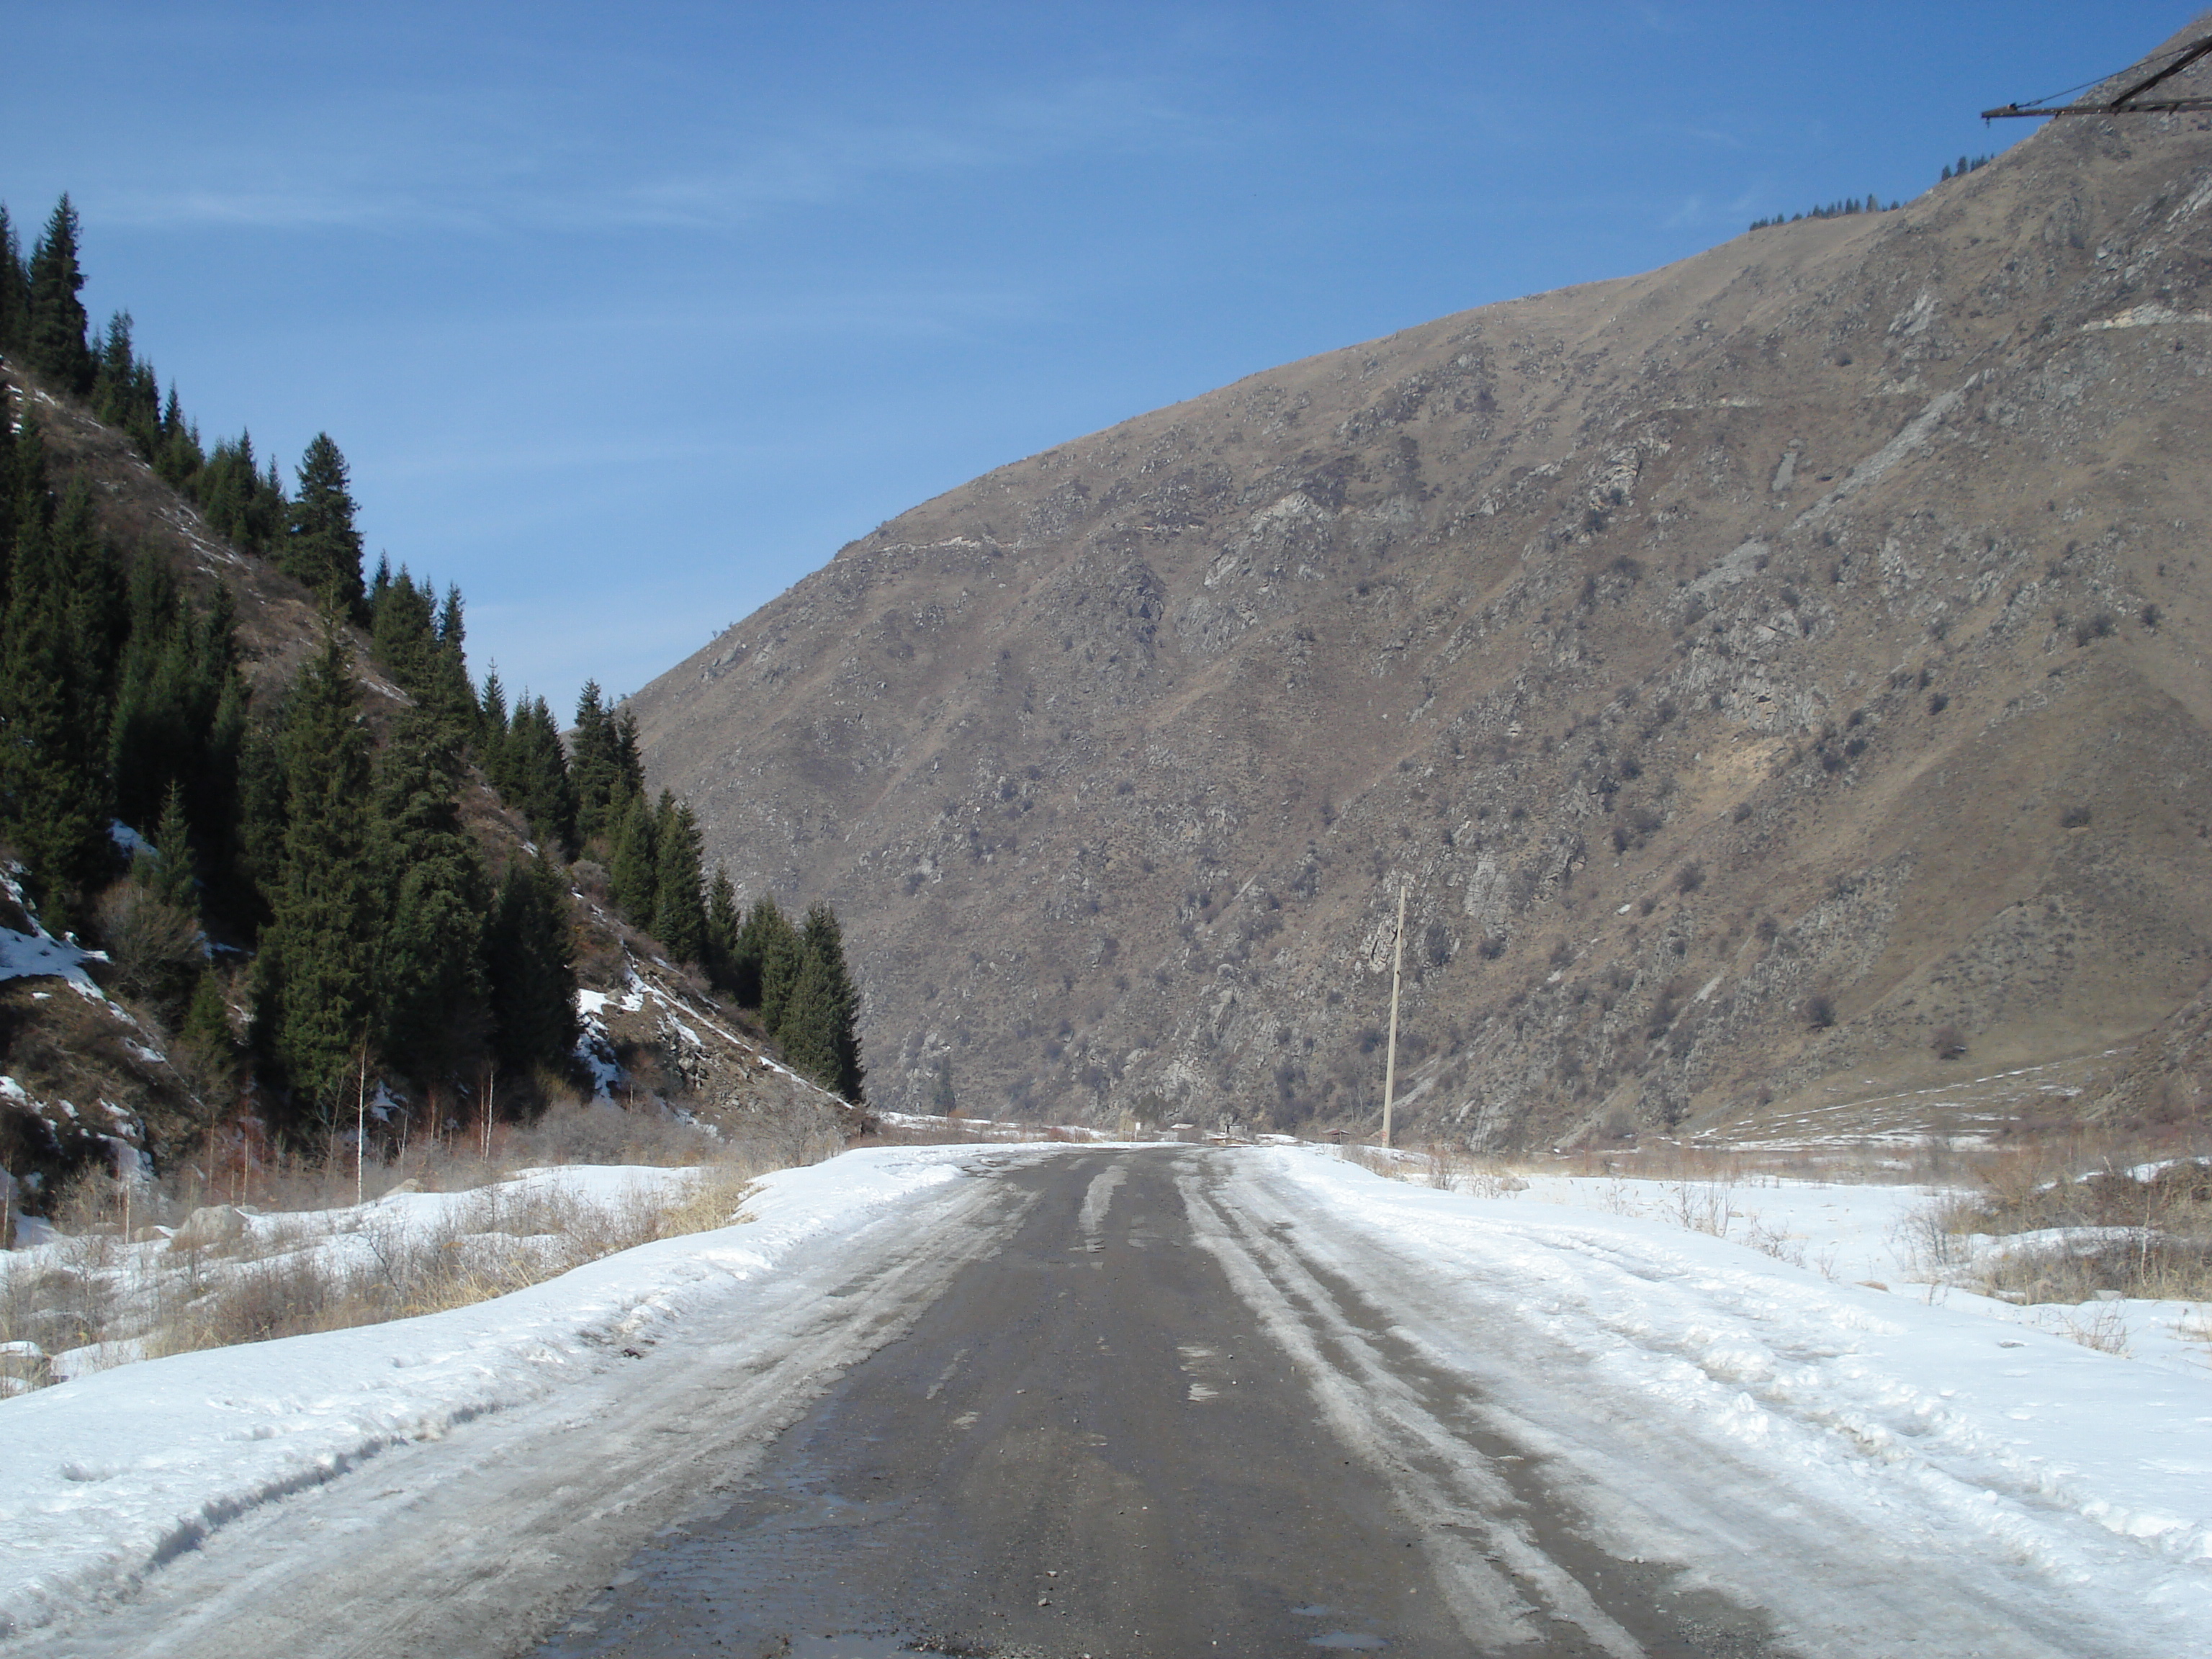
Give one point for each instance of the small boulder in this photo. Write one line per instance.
(215, 1223)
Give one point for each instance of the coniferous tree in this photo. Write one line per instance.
(174, 878)
(596, 768)
(491, 726)
(206, 1044)
(180, 458)
(724, 924)
(257, 844)
(532, 968)
(177, 699)
(14, 290)
(824, 1010)
(445, 690)
(55, 343)
(126, 394)
(55, 648)
(679, 915)
(629, 766)
(317, 970)
(15, 500)
(431, 981)
(403, 625)
(634, 878)
(238, 499)
(321, 548)
(149, 925)
(532, 773)
(748, 956)
(807, 1031)
(781, 957)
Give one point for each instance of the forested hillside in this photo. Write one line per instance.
(317, 859)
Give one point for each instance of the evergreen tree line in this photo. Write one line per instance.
(587, 796)
(377, 932)
(43, 323)
(378, 935)
(1965, 165)
(1842, 209)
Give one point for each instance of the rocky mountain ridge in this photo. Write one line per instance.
(1779, 678)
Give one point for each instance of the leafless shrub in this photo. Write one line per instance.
(1947, 1042)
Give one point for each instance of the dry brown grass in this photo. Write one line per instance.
(2087, 1225)
(306, 1260)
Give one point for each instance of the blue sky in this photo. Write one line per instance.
(626, 318)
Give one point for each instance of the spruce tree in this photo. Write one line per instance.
(316, 997)
(779, 962)
(174, 878)
(634, 878)
(151, 928)
(532, 968)
(532, 775)
(431, 981)
(807, 1030)
(55, 343)
(321, 548)
(748, 956)
(179, 458)
(491, 727)
(446, 689)
(630, 764)
(14, 290)
(825, 991)
(54, 798)
(724, 924)
(679, 913)
(595, 769)
(206, 1045)
(403, 629)
(257, 847)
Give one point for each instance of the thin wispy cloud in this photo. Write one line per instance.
(451, 163)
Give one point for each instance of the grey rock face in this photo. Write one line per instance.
(1723, 654)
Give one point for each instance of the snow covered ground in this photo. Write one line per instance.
(986, 1128)
(1702, 1357)
(1943, 1427)
(1878, 1235)
(105, 1478)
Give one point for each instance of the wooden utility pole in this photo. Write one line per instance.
(1390, 1055)
(360, 1121)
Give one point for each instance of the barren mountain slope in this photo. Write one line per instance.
(1756, 667)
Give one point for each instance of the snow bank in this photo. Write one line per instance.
(105, 1478)
(1838, 1388)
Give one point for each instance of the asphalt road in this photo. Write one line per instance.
(1141, 1426)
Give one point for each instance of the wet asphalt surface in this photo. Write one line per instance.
(1090, 1446)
